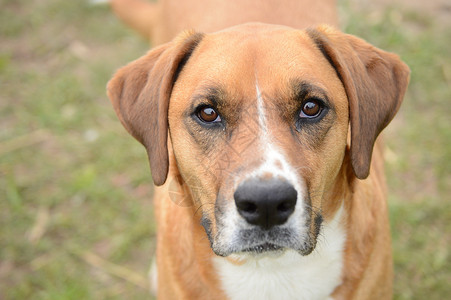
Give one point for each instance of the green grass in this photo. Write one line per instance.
(73, 183)
(418, 149)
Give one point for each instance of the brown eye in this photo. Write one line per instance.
(311, 109)
(208, 115)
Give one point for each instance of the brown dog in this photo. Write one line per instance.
(271, 135)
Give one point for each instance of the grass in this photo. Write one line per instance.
(418, 150)
(75, 208)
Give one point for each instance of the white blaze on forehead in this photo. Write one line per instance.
(274, 161)
(261, 109)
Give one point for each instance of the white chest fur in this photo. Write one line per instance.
(290, 275)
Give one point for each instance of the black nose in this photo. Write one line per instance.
(265, 203)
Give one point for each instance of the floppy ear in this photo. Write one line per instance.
(375, 82)
(140, 94)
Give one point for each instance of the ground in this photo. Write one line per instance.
(75, 190)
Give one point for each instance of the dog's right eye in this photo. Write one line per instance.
(311, 109)
(208, 114)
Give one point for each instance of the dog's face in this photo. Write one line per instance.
(265, 118)
(258, 118)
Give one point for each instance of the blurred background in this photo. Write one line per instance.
(76, 218)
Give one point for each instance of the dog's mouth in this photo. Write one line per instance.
(257, 242)
(262, 248)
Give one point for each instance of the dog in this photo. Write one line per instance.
(263, 146)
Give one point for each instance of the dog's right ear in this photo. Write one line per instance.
(375, 82)
(140, 94)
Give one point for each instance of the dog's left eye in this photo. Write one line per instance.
(311, 109)
(208, 114)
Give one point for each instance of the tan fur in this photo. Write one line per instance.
(153, 95)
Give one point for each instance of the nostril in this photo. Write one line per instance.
(247, 207)
(286, 206)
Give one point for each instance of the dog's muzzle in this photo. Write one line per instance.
(267, 215)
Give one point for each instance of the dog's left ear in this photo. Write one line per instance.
(140, 94)
(375, 82)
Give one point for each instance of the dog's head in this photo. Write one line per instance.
(258, 119)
